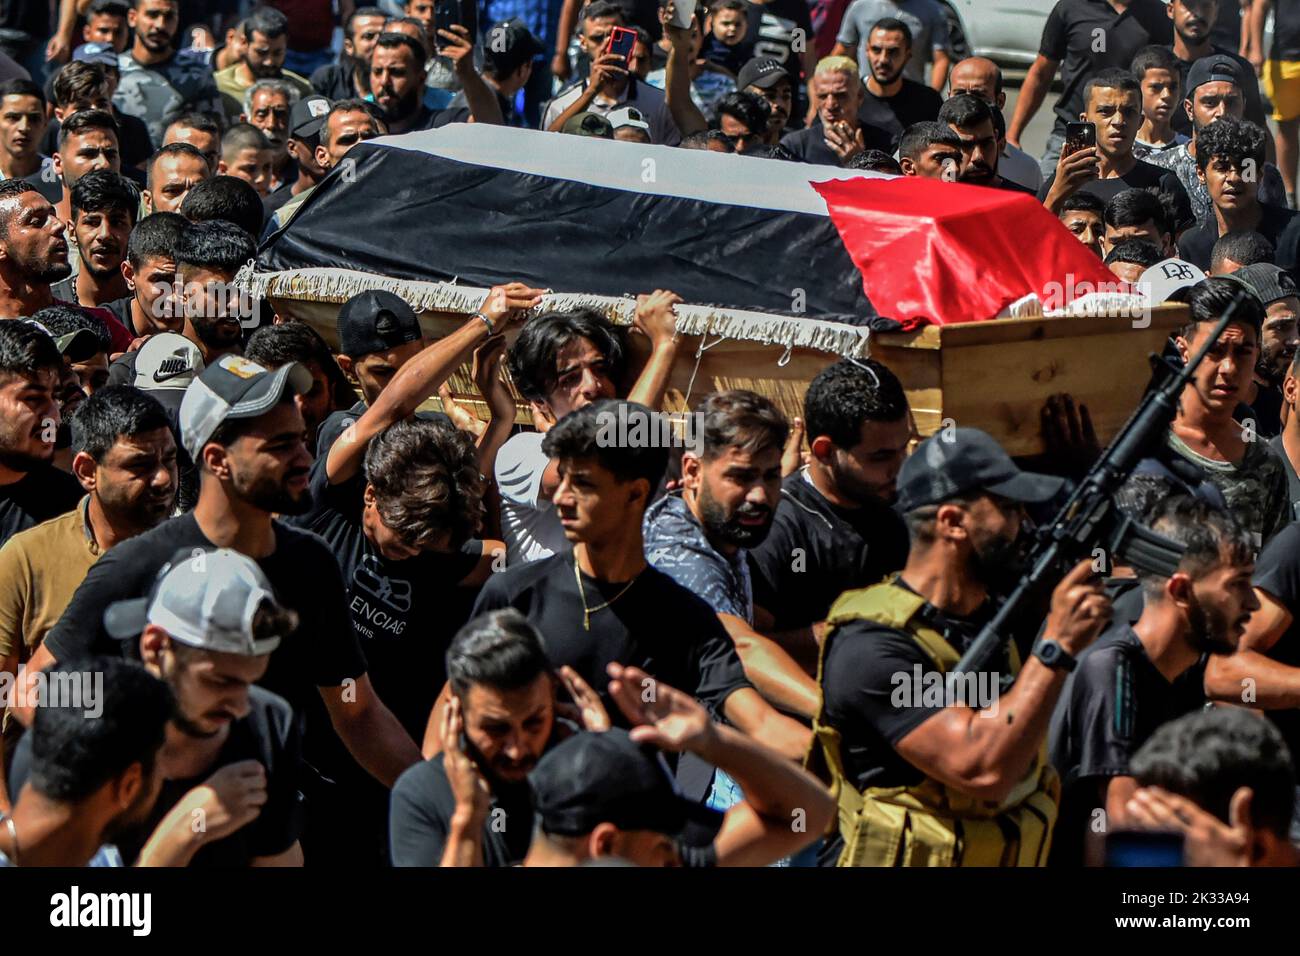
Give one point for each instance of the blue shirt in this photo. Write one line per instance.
(675, 544)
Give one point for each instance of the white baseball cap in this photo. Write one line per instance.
(1166, 277)
(203, 599)
(167, 361)
(627, 116)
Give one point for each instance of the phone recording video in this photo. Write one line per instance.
(621, 42)
(1079, 136)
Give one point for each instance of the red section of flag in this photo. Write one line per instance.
(933, 251)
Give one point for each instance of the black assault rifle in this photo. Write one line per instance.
(1090, 519)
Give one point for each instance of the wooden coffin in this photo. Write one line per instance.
(992, 375)
(995, 375)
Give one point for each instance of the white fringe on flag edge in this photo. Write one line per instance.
(339, 285)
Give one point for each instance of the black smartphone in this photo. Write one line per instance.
(621, 41)
(1127, 848)
(1079, 136)
(449, 13)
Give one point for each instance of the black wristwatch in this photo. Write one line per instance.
(1054, 655)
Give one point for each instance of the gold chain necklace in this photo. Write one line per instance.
(587, 612)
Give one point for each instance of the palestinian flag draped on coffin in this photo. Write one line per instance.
(482, 205)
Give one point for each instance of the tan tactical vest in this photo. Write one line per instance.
(928, 824)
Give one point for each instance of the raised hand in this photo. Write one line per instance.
(590, 710)
(655, 316)
(1080, 609)
(457, 46)
(661, 715)
(467, 782)
(844, 141)
(231, 798)
(1208, 841)
(507, 303)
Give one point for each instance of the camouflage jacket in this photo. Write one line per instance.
(160, 93)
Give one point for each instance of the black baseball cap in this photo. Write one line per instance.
(307, 116)
(1269, 282)
(762, 72)
(376, 321)
(595, 778)
(1213, 69)
(953, 462)
(79, 346)
(509, 45)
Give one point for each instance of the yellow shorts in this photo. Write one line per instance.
(1281, 83)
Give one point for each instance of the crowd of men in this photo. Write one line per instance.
(316, 622)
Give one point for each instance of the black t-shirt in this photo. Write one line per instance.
(1110, 706)
(422, 807)
(1286, 30)
(1277, 573)
(277, 198)
(334, 80)
(1008, 186)
(1254, 104)
(730, 57)
(655, 624)
(458, 111)
(772, 31)
(268, 735)
(1292, 479)
(44, 492)
(403, 613)
(859, 688)
(1143, 175)
(121, 309)
(1071, 34)
(816, 551)
(1278, 225)
(47, 184)
(914, 103)
(809, 145)
(322, 652)
(1227, 27)
(1266, 411)
(121, 371)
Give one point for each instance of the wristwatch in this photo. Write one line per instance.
(1054, 655)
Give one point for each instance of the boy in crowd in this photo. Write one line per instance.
(1157, 73)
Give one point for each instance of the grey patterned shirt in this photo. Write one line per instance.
(160, 93)
(676, 545)
(1183, 164)
(1255, 488)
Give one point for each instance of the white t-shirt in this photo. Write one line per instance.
(530, 527)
